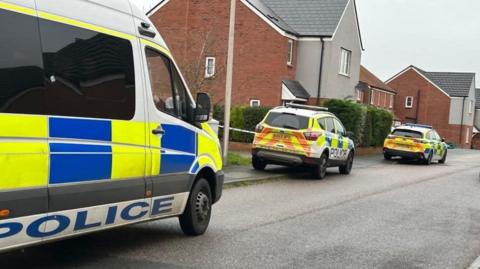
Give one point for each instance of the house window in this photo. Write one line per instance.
(345, 62)
(255, 103)
(372, 97)
(391, 101)
(290, 52)
(210, 67)
(409, 102)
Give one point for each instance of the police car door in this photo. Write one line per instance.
(173, 140)
(343, 140)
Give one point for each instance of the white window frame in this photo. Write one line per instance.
(207, 73)
(411, 102)
(359, 95)
(372, 97)
(290, 52)
(391, 101)
(345, 62)
(470, 106)
(467, 138)
(255, 103)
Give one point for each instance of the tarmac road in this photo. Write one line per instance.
(385, 215)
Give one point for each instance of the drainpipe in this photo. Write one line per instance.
(461, 124)
(418, 106)
(320, 72)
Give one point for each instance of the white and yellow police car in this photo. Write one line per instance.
(97, 126)
(299, 135)
(416, 142)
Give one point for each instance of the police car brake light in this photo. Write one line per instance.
(312, 136)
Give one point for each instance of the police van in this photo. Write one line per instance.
(301, 135)
(97, 126)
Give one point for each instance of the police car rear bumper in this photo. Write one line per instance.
(283, 158)
(403, 154)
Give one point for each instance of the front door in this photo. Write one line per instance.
(173, 139)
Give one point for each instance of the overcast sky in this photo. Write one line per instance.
(435, 35)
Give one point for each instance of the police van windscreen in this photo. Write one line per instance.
(287, 121)
(407, 133)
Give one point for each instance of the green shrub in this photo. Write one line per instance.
(370, 125)
(242, 117)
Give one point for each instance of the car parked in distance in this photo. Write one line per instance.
(416, 142)
(298, 135)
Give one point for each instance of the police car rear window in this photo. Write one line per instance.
(407, 133)
(287, 121)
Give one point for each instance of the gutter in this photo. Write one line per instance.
(320, 72)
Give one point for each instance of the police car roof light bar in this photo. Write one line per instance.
(315, 108)
(419, 125)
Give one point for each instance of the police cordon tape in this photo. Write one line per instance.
(237, 130)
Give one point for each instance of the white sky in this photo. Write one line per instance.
(435, 35)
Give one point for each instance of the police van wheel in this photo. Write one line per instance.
(347, 168)
(444, 158)
(194, 221)
(258, 164)
(320, 170)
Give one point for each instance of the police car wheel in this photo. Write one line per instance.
(387, 156)
(347, 168)
(194, 221)
(428, 160)
(444, 158)
(320, 170)
(258, 163)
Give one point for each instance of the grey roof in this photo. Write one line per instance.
(477, 97)
(304, 17)
(454, 84)
(296, 89)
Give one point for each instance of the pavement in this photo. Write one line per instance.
(384, 215)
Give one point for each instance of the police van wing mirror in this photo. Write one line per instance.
(204, 106)
(443, 140)
(349, 134)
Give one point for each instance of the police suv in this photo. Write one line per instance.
(299, 135)
(97, 126)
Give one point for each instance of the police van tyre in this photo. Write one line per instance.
(258, 163)
(444, 158)
(320, 170)
(194, 221)
(347, 168)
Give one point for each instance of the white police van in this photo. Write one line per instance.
(97, 126)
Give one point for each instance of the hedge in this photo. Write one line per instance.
(241, 117)
(370, 125)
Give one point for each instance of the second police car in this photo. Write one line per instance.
(298, 135)
(416, 142)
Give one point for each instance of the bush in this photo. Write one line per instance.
(369, 124)
(241, 117)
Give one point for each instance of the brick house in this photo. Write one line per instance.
(276, 41)
(373, 91)
(476, 136)
(444, 100)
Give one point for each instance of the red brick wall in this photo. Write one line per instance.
(381, 99)
(194, 30)
(430, 104)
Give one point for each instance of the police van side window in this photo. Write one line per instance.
(339, 127)
(169, 93)
(322, 123)
(87, 74)
(21, 67)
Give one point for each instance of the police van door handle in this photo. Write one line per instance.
(158, 131)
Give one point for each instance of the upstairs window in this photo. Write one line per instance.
(409, 102)
(345, 62)
(391, 101)
(290, 52)
(210, 67)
